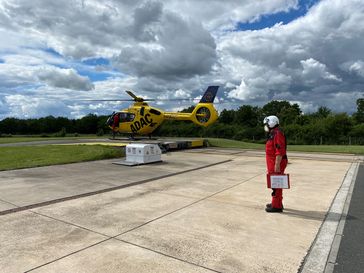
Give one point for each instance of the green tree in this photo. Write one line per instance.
(11, 126)
(286, 112)
(289, 115)
(338, 128)
(227, 116)
(294, 133)
(247, 116)
(359, 115)
(322, 112)
(275, 108)
(88, 124)
(357, 134)
(316, 132)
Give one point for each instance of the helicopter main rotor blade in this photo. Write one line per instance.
(120, 100)
(111, 100)
(176, 99)
(131, 94)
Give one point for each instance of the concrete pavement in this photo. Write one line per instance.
(198, 211)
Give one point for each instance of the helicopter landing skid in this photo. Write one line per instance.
(134, 138)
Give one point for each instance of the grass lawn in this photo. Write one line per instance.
(18, 157)
(347, 149)
(16, 139)
(35, 156)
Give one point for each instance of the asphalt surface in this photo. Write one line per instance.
(351, 251)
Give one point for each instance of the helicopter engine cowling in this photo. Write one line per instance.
(204, 114)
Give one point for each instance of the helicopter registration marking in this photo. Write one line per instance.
(139, 124)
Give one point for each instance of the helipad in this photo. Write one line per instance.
(199, 210)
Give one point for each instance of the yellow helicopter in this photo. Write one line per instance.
(142, 119)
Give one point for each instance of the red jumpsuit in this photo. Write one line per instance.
(276, 145)
(115, 121)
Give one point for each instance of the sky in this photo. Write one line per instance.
(56, 55)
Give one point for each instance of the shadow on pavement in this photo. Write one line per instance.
(314, 215)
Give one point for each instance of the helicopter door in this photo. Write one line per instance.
(110, 119)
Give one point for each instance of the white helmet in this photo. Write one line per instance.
(271, 121)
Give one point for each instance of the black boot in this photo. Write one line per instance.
(269, 205)
(270, 209)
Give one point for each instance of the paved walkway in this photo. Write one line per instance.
(198, 211)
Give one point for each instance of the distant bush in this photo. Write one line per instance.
(61, 133)
(100, 132)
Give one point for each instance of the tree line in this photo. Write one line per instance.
(245, 123)
(54, 126)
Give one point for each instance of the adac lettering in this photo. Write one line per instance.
(139, 124)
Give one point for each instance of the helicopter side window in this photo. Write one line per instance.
(123, 117)
(126, 117)
(142, 111)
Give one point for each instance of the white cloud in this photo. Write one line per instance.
(342, 101)
(13, 75)
(177, 94)
(182, 94)
(4, 108)
(27, 107)
(64, 78)
(314, 71)
(241, 92)
(223, 15)
(177, 48)
(305, 55)
(354, 67)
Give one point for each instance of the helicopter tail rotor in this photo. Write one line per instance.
(204, 113)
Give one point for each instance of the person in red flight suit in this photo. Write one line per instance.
(116, 120)
(276, 157)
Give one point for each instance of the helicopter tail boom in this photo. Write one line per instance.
(204, 113)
